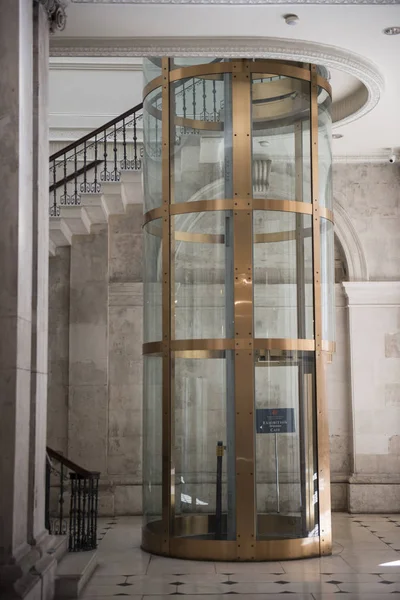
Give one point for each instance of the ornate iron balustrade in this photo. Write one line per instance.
(96, 158)
(66, 480)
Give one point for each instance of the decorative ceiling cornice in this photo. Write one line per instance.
(364, 99)
(251, 2)
(56, 13)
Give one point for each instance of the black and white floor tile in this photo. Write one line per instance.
(365, 565)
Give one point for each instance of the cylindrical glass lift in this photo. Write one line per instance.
(238, 309)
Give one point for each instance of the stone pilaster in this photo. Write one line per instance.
(16, 286)
(27, 570)
(374, 323)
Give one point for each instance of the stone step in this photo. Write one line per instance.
(73, 573)
(94, 210)
(59, 546)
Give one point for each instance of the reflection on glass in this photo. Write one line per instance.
(152, 144)
(152, 438)
(203, 430)
(283, 291)
(199, 257)
(281, 138)
(202, 148)
(152, 68)
(286, 467)
(152, 281)
(325, 149)
(328, 280)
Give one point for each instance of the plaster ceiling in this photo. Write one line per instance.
(342, 37)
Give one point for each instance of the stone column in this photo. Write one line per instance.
(16, 285)
(374, 323)
(40, 277)
(27, 568)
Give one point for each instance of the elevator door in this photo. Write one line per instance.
(286, 473)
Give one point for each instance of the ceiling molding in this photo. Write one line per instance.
(65, 64)
(362, 101)
(251, 2)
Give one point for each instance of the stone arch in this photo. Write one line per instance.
(349, 242)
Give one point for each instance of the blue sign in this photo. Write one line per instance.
(275, 420)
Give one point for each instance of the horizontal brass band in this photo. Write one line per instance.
(152, 85)
(205, 344)
(214, 238)
(280, 236)
(198, 354)
(261, 68)
(281, 205)
(272, 68)
(202, 238)
(326, 213)
(229, 204)
(324, 84)
(154, 213)
(182, 208)
(283, 344)
(229, 344)
(205, 69)
(194, 548)
(328, 346)
(153, 347)
(198, 124)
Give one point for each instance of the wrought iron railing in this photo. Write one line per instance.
(96, 158)
(71, 502)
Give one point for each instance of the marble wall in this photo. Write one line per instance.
(103, 353)
(58, 367)
(95, 357)
(125, 332)
(374, 319)
(88, 352)
(370, 194)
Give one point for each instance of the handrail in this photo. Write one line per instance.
(81, 487)
(92, 134)
(71, 465)
(72, 176)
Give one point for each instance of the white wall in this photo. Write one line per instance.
(85, 93)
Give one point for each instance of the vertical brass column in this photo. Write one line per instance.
(324, 488)
(243, 310)
(166, 312)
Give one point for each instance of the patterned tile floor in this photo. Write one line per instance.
(365, 565)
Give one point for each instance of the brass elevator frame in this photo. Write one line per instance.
(165, 536)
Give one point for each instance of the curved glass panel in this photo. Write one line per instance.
(152, 438)
(204, 484)
(152, 281)
(286, 464)
(281, 137)
(238, 411)
(325, 149)
(199, 262)
(328, 280)
(202, 136)
(152, 144)
(152, 68)
(283, 275)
